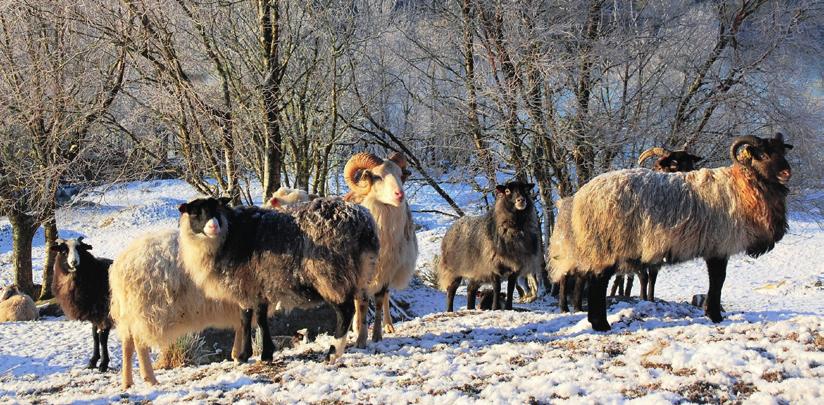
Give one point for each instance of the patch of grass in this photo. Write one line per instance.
(818, 342)
(187, 350)
(700, 392)
(662, 366)
(684, 372)
(772, 376)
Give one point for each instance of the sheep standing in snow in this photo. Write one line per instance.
(154, 302)
(668, 162)
(80, 285)
(647, 217)
(324, 251)
(560, 251)
(377, 184)
(16, 306)
(505, 242)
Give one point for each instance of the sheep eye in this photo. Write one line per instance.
(376, 178)
(508, 192)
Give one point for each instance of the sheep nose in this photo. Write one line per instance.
(785, 174)
(399, 194)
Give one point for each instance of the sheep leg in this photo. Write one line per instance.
(628, 287)
(717, 270)
(377, 327)
(450, 293)
(267, 347)
(644, 279)
(496, 293)
(344, 313)
(361, 331)
(245, 332)
(511, 281)
(145, 363)
(653, 275)
(617, 286)
(104, 348)
(237, 344)
(96, 353)
(388, 326)
(472, 294)
(562, 297)
(578, 293)
(597, 312)
(128, 353)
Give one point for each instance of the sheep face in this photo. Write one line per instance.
(386, 183)
(678, 161)
(205, 216)
(765, 157)
(514, 196)
(9, 292)
(71, 249)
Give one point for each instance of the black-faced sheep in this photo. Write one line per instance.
(505, 242)
(154, 302)
(80, 285)
(668, 162)
(324, 251)
(377, 184)
(651, 218)
(16, 306)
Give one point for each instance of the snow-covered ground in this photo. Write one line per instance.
(770, 349)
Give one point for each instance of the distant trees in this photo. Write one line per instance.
(227, 95)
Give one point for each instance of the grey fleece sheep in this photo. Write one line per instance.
(323, 251)
(651, 218)
(505, 242)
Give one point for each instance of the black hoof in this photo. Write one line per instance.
(330, 352)
(103, 367)
(92, 363)
(714, 317)
(600, 325)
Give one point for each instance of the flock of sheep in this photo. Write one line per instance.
(225, 266)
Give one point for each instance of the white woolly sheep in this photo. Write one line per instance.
(286, 196)
(16, 306)
(154, 302)
(377, 184)
(647, 217)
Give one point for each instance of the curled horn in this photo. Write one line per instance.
(656, 151)
(740, 141)
(361, 161)
(400, 160)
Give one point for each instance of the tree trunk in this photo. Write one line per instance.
(269, 14)
(23, 227)
(50, 229)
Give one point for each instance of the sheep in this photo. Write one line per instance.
(377, 184)
(16, 306)
(561, 260)
(285, 197)
(80, 285)
(641, 216)
(154, 302)
(668, 162)
(505, 242)
(323, 251)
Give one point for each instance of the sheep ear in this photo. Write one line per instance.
(499, 189)
(695, 158)
(787, 146)
(529, 186)
(224, 201)
(183, 208)
(85, 246)
(365, 175)
(274, 202)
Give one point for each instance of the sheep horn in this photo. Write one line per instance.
(400, 160)
(740, 141)
(656, 151)
(361, 161)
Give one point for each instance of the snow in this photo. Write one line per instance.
(769, 349)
